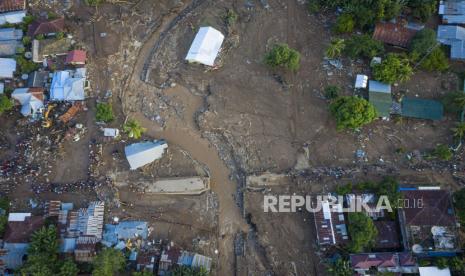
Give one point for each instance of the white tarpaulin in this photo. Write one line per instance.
(141, 154)
(12, 17)
(206, 46)
(7, 68)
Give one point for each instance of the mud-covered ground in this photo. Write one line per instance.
(240, 119)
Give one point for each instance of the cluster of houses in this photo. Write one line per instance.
(61, 73)
(425, 227)
(82, 232)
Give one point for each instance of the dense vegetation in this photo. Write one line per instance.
(281, 55)
(6, 104)
(394, 68)
(362, 232)
(104, 112)
(133, 129)
(108, 262)
(352, 112)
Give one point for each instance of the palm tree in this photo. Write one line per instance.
(459, 131)
(335, 48)
(133, 129)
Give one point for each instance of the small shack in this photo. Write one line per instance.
(422, 109)
(206, 46)
(141, 154)
(379, 95)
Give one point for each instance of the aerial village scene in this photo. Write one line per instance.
(170, 137)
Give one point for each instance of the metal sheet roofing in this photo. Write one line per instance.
(393, 33)
(380, 97)
(125, 230)
(7, 68)
(422, 109)
(141, 154)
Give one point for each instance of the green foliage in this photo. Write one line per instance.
(26, 66)
(189, 271)
(283, 56)
(68, 268)
(443, 152)
(352, 112)
(3, 223)
(459, 204)
(26, 41)
(133, 129)
(332, 92)
(392, 69)
(344, 189)
(104, 112)
(344, 24)
(456, 264)
(43, 255)
(231, 17)
(424, 262)
(27, 20)
(6, 104)
(51, 15)
(441, 263)
(340, 268)
(423, 9)
(313, 6)
(108, 262)
(363, 46)
(40, 37)
(422, 43)
(368, 12)
(60, 35)
(436, 61)
(459, 131)
(362, 232)
(454, 102)
(335, 49)
(94, 3)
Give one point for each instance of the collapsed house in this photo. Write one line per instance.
(141, 154)
(119, 234)
(30, 99)
(46, 48)
(206, 46)
(175, 256)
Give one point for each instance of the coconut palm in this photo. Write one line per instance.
(133, 129)
(335, 48)
(459, 131)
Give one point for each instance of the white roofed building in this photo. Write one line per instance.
(141, 154)
(68, 85)
(206, 46)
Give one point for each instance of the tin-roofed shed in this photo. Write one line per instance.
(141, 154)
(422, 109)
(379, 95)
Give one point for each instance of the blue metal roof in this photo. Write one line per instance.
(125, 230)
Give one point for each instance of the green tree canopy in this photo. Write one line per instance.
(363, 46)
(443, 152)
(392, 69)
(345, 24)
(104, 112)
(362, 232)
(459, 131)
(281, 55)
(108, 262)
(340, 268)
(352, 112)
(423, 9)
(422, 43)
(68, 268)
(436, 61)
(6, 104)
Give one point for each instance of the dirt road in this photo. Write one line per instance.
(183, 133)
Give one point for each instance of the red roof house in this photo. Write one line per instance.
(394, 34)
(44, 27)
(12, 5)
(76, 57)
(384, 262)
